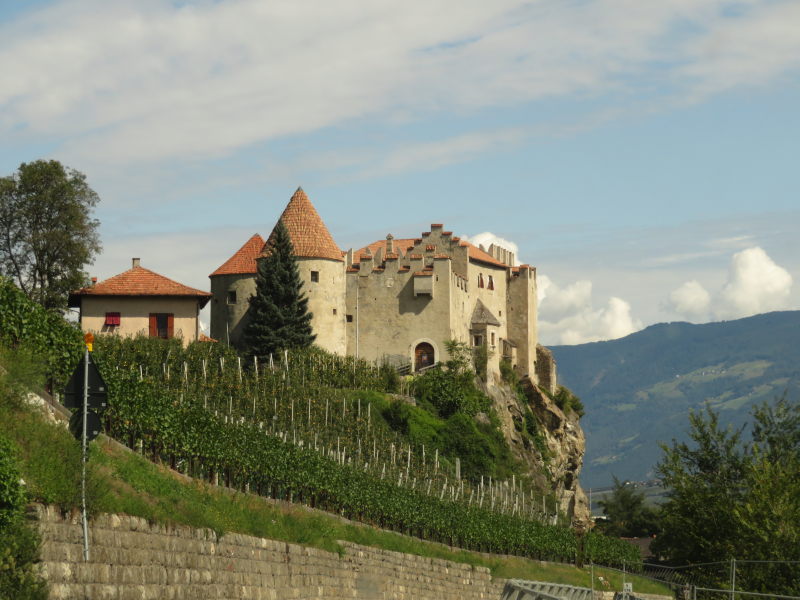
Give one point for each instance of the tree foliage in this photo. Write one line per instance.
(47, 233)
(25, 326)
(627, 512)
(730, 498)
(278, 317)
(19, 543)
(450, 388)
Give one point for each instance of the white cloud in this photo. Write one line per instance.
(567, 315)
(755, 285)
(487, 238)
(155, 79)
(690, 300)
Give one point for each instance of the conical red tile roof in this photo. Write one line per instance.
(139, 281)
(310, 237)
(244, 259)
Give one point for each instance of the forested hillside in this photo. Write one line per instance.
(637, 390)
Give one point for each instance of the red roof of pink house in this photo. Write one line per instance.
(310, 237)
(244, 260)
(139, 281)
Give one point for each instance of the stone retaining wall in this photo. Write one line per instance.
(132, 559)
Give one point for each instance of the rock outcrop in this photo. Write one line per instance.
(553, 451)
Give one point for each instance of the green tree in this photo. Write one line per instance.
(627, 512)
(705, 479)
(278, 317)
(47, 233)
(734, 499)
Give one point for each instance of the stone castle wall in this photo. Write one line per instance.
(132, 559)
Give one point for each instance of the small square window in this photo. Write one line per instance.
(315, 276)
(232, 297)
(112, 319)
(349, 318)
(334, 311)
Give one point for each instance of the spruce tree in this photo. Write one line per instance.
(278, 315)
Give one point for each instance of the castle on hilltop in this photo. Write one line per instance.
(398, 300)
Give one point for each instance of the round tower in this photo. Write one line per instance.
(322, 269)
(232, 284)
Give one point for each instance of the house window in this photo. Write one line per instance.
(112, 319)
(349, 318)
(491, 283)
(314, 276)
(232, 297)
(162, 325)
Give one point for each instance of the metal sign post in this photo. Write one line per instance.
(86, 392)
(84, 446)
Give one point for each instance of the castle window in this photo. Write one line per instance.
(477, 340)
(499, 313)
(315, 276)
(493, 338)
(491, 283)
(232, 297)
(334, 311)
(480, 280)
(349, 318)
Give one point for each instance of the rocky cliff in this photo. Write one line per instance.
(545, 438)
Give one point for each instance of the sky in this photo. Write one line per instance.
(644, 156)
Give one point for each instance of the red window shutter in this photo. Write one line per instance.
(170, 326)
(153, 325)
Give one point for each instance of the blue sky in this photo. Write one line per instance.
(644, 156)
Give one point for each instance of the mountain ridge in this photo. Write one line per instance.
(638, 390)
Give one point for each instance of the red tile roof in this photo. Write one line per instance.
(405, 245)
(139, 281)
(310, 237)
(476, 253)
(244, 260)
(400, 247)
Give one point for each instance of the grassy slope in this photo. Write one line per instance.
(123, 482)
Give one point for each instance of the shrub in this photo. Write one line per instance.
(56, 343)
(12, 495)
(451, 389)
(19, 543)
(567, 401)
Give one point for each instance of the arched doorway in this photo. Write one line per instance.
(423, 356)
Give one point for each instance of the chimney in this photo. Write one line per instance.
(94, 280)
(135, 262)
(390, 244)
